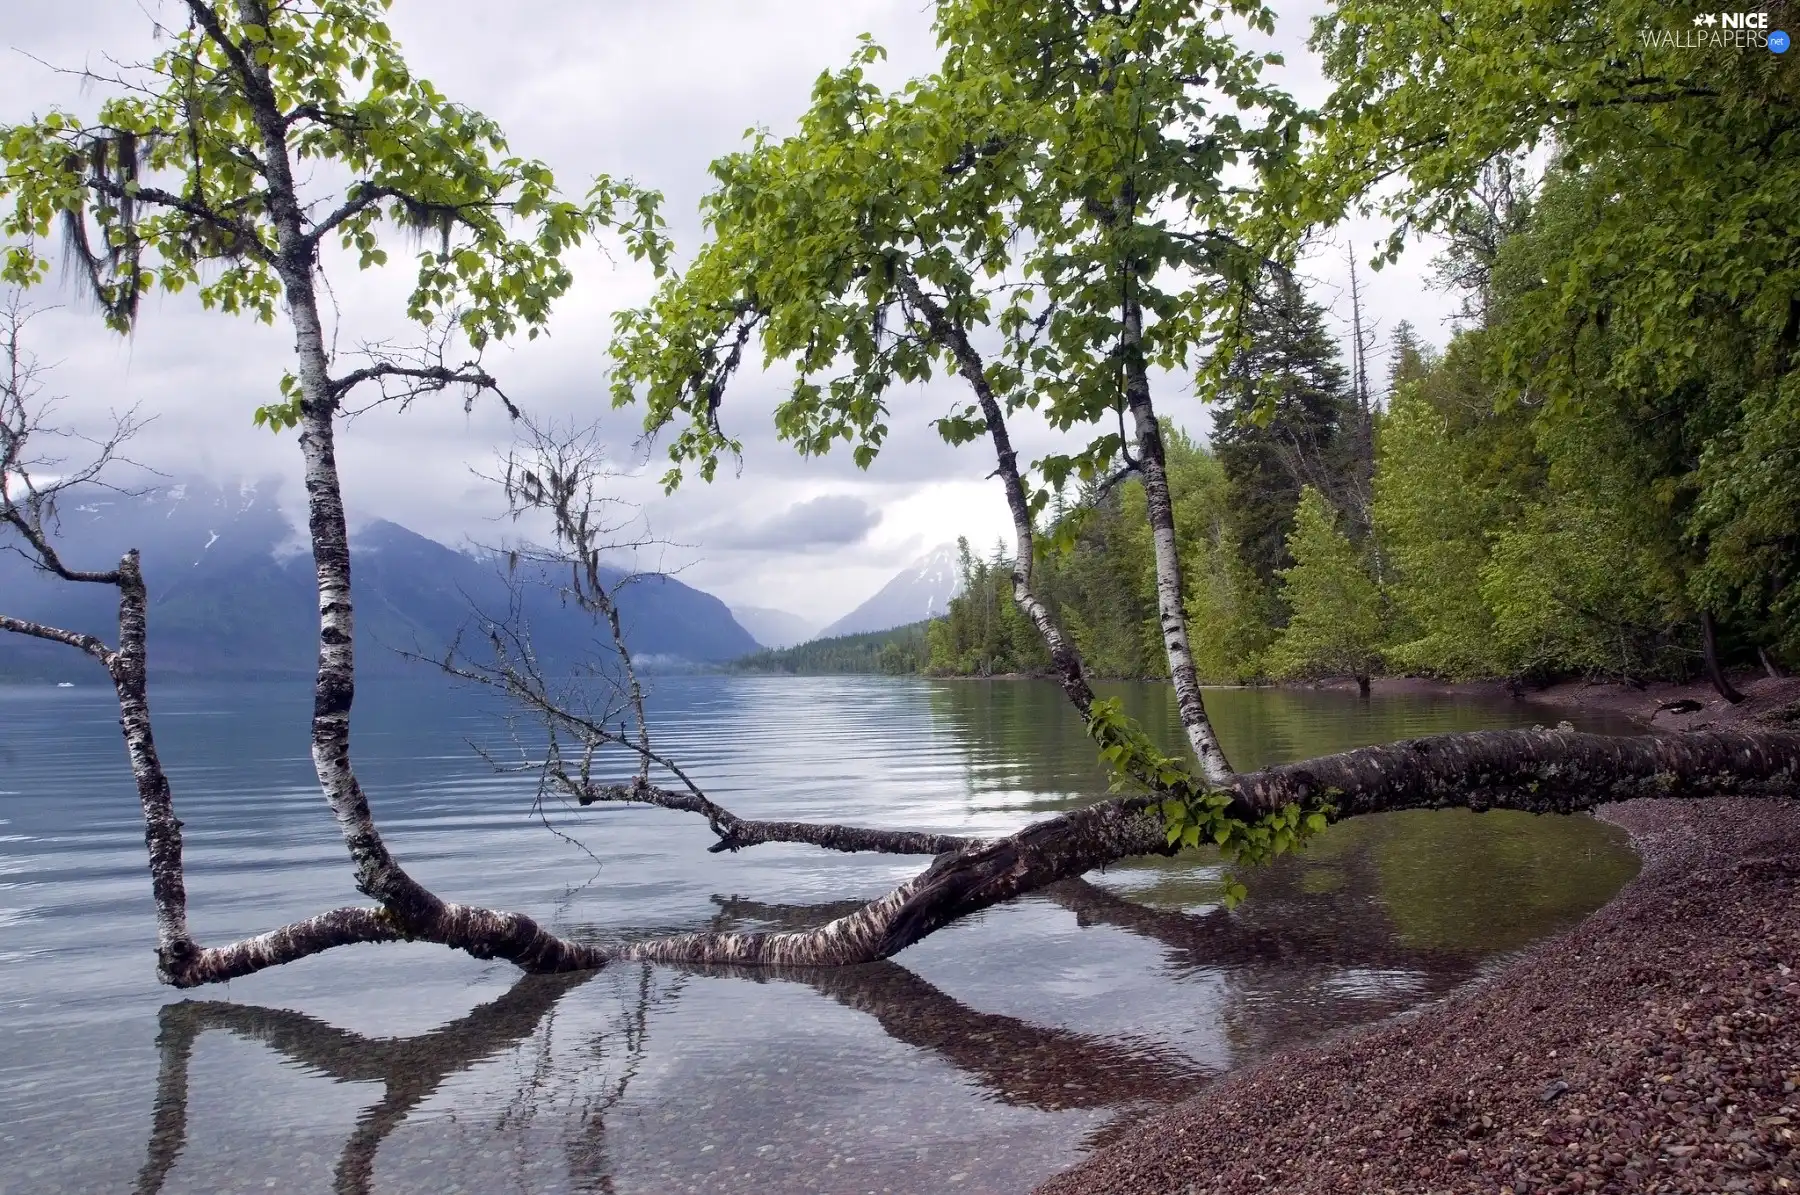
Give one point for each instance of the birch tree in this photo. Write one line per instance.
(879, 237)
(190, 175)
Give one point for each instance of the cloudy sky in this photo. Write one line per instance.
(651, 89)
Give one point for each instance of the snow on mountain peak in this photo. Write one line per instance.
(921, 590)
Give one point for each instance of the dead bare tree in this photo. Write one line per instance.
(1362, 413)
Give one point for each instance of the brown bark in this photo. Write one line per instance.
(954, 886)
(1536, 771)
(1709, 640)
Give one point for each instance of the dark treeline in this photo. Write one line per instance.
(896, 652)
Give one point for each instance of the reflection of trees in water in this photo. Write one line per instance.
(1015, 735)
(1288, 962)
(1293, 971)
(410, 1069)
(1024, 1065)
(1380, 914)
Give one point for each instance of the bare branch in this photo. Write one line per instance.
(736, 833)
(516, 674)
(90, 644)
(422, 380)
(404, 374)
(27, 501)
(560, 474)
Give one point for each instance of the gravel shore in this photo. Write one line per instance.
(1657, 705)
(1653, 1049)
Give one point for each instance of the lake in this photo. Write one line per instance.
(983, 1059)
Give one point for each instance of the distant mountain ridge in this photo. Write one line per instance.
(773, 628)
(230, 596)
(922, 590)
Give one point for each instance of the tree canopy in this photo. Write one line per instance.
(1654, 274)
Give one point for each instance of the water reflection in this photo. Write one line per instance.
(1015, 1061)
(1023, 734)
(983, 1059)
(1019, 1062)
(409, 1069)
(1300, 960)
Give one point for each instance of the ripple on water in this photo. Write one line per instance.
(982, 1059)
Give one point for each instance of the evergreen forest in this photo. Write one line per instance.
(1418, 512)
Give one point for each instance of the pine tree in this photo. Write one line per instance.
(1282, 427)
(1335, 618)
(1408, 358)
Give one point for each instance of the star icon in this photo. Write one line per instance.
(1712, 18)
(1699, 18)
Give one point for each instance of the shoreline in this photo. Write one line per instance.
(1655, 1047)
(1700, 705)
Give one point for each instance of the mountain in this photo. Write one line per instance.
(922, 589)
(229, 595)
(773, 628)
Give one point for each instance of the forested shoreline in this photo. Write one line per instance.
(1434, 520)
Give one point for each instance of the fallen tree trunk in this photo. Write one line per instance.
(1531, 770)
(1535, 771)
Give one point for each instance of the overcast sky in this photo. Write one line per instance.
(653, 90)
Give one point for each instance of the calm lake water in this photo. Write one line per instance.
(983, 1059)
